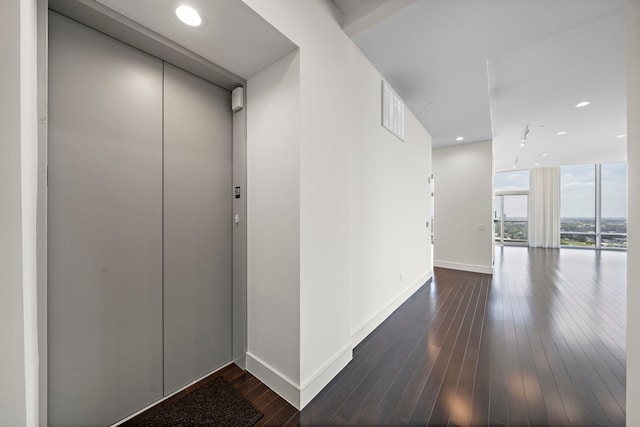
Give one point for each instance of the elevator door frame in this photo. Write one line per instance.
(119, 27)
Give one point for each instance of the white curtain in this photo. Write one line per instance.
(544, 208)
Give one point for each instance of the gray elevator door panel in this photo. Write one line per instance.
(197, 228)
(105, 227)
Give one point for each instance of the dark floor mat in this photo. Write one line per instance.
(215, 404)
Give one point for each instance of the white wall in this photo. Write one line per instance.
(463, 204)
(331, 102)
(324, 187)
(633, 251)
(273, 228)
(324, 180)
(390, 204)
(18, 160)
(325, 196)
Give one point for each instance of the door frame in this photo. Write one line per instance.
(119, 27)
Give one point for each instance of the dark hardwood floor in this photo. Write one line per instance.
(541, 342)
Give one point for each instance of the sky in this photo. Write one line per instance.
(509, 181)
(614, 190)
(577, 191)
(514, 206)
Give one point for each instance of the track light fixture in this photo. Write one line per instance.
(524, 135)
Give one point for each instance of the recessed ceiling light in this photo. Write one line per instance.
(431, 104)
(188, 15)
(545, 154)
(582, 104)
(460, 138)
(561, 133)
(624, 135)
(537, 164)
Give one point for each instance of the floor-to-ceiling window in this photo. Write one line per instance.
(511, 224)
(594, 205)
(613, 223)
(578, 205)
(593, 211)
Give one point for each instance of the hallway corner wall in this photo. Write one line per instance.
(273, 229)
(341, 211)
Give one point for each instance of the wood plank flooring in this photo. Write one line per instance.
(541, 342)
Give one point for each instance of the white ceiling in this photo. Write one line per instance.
(539, 84)
(359, 15)
(490, 66)
(350, 8)
(493, 66)
(230, 27)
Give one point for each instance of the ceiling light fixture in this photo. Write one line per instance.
(561, 133)
(460, 138)
(431, 104)
(188, 15)
(545, 154)
(536, 164)
(515, 162)
(624, 135)
(582, 104)
(524, 135)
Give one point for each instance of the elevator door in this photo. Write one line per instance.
(197, 227)
(139, 227)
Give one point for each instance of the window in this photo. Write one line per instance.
(594, 205)
(578, 205)
(613, 223)
(515, 218)
(511, 224)
(497, 222)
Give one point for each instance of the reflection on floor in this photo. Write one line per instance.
(541, 342)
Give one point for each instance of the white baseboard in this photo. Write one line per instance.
(300, 396)
(274, 379)
(322, 377)
(287, 388)
(364, 329)
(464, 267)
